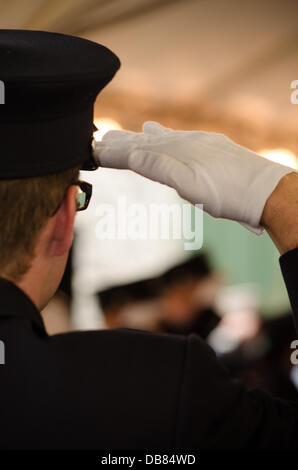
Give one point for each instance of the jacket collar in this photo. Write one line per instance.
(15, 303)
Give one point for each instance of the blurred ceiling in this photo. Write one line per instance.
(220, 65)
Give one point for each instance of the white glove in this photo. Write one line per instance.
(205, 168)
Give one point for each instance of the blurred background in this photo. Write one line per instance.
(218, 66)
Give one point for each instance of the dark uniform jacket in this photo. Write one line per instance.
(127, 389)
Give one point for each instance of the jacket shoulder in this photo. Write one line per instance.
(120, 335)
(119, 345)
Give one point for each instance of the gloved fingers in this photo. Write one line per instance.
(160, 167)
(151, 128)
(176, 149)
(154, 128)
(167, 136)
(118, 136)
(155, 166)
(112, 156)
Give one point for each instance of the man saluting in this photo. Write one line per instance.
(120, 389)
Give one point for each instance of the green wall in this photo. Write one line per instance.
(244, 257)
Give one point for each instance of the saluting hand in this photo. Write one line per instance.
(205, 168)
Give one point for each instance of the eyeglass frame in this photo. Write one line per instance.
(85, 188)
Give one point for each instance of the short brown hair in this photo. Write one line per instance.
(25, 206)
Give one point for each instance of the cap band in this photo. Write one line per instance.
(19, 141)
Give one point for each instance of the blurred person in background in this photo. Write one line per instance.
(178, 301)
(264, 361)
(187, 293)
(133, 305)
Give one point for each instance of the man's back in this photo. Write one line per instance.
(121, 389)
(84, 390)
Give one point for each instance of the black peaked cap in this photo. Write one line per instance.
(50, 82)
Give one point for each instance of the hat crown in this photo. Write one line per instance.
(50, 83)
(45, 56)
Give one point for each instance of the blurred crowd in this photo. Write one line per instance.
(182, 301)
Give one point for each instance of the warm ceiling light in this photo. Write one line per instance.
(104, 125)
(283, 156)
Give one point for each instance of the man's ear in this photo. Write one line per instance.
(62, 233)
